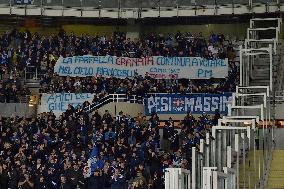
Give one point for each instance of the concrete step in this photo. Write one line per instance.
(251, 168)
(259, 82)
(265, 61)
(264, 72)
(262, 69)
(32, 81)
(34, 91)
(261, 72)
(276, 175)
(33, 85)
(260, 75)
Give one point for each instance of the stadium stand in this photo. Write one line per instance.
(33, 50)
(102, 150)
(85, 146)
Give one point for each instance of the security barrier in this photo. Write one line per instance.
(136, 8)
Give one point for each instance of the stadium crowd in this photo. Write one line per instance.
(78, 151)
(24, 49)
(11, 90)
(102, 151)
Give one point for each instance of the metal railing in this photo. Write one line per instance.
(114, 98)
(136, 8)
(280, 67)
(131, 3)
(32, 72)
(125, 4)
(18, 99)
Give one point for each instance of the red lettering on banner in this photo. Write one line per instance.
(173, 76)
(128, 62)
(132, 62)
(157, 76)
(163, 76)
(150, 60)
(122, 61)
(118, 61)
(140, 62)
(135, 61)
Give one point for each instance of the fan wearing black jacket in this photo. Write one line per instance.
(97, 180)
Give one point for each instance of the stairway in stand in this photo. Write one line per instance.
(247, 180)
(276, 176)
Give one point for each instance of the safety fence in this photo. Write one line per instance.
(136, 8)
(132, 3)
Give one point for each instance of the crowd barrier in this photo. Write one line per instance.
(20, 99)
(130, 3)
(136, 8)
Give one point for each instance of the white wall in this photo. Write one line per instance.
(133, 109)
(279, 111)
(17, 109)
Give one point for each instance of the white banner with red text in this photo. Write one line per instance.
(157, 67)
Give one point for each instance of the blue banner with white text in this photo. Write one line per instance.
(181, 104)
